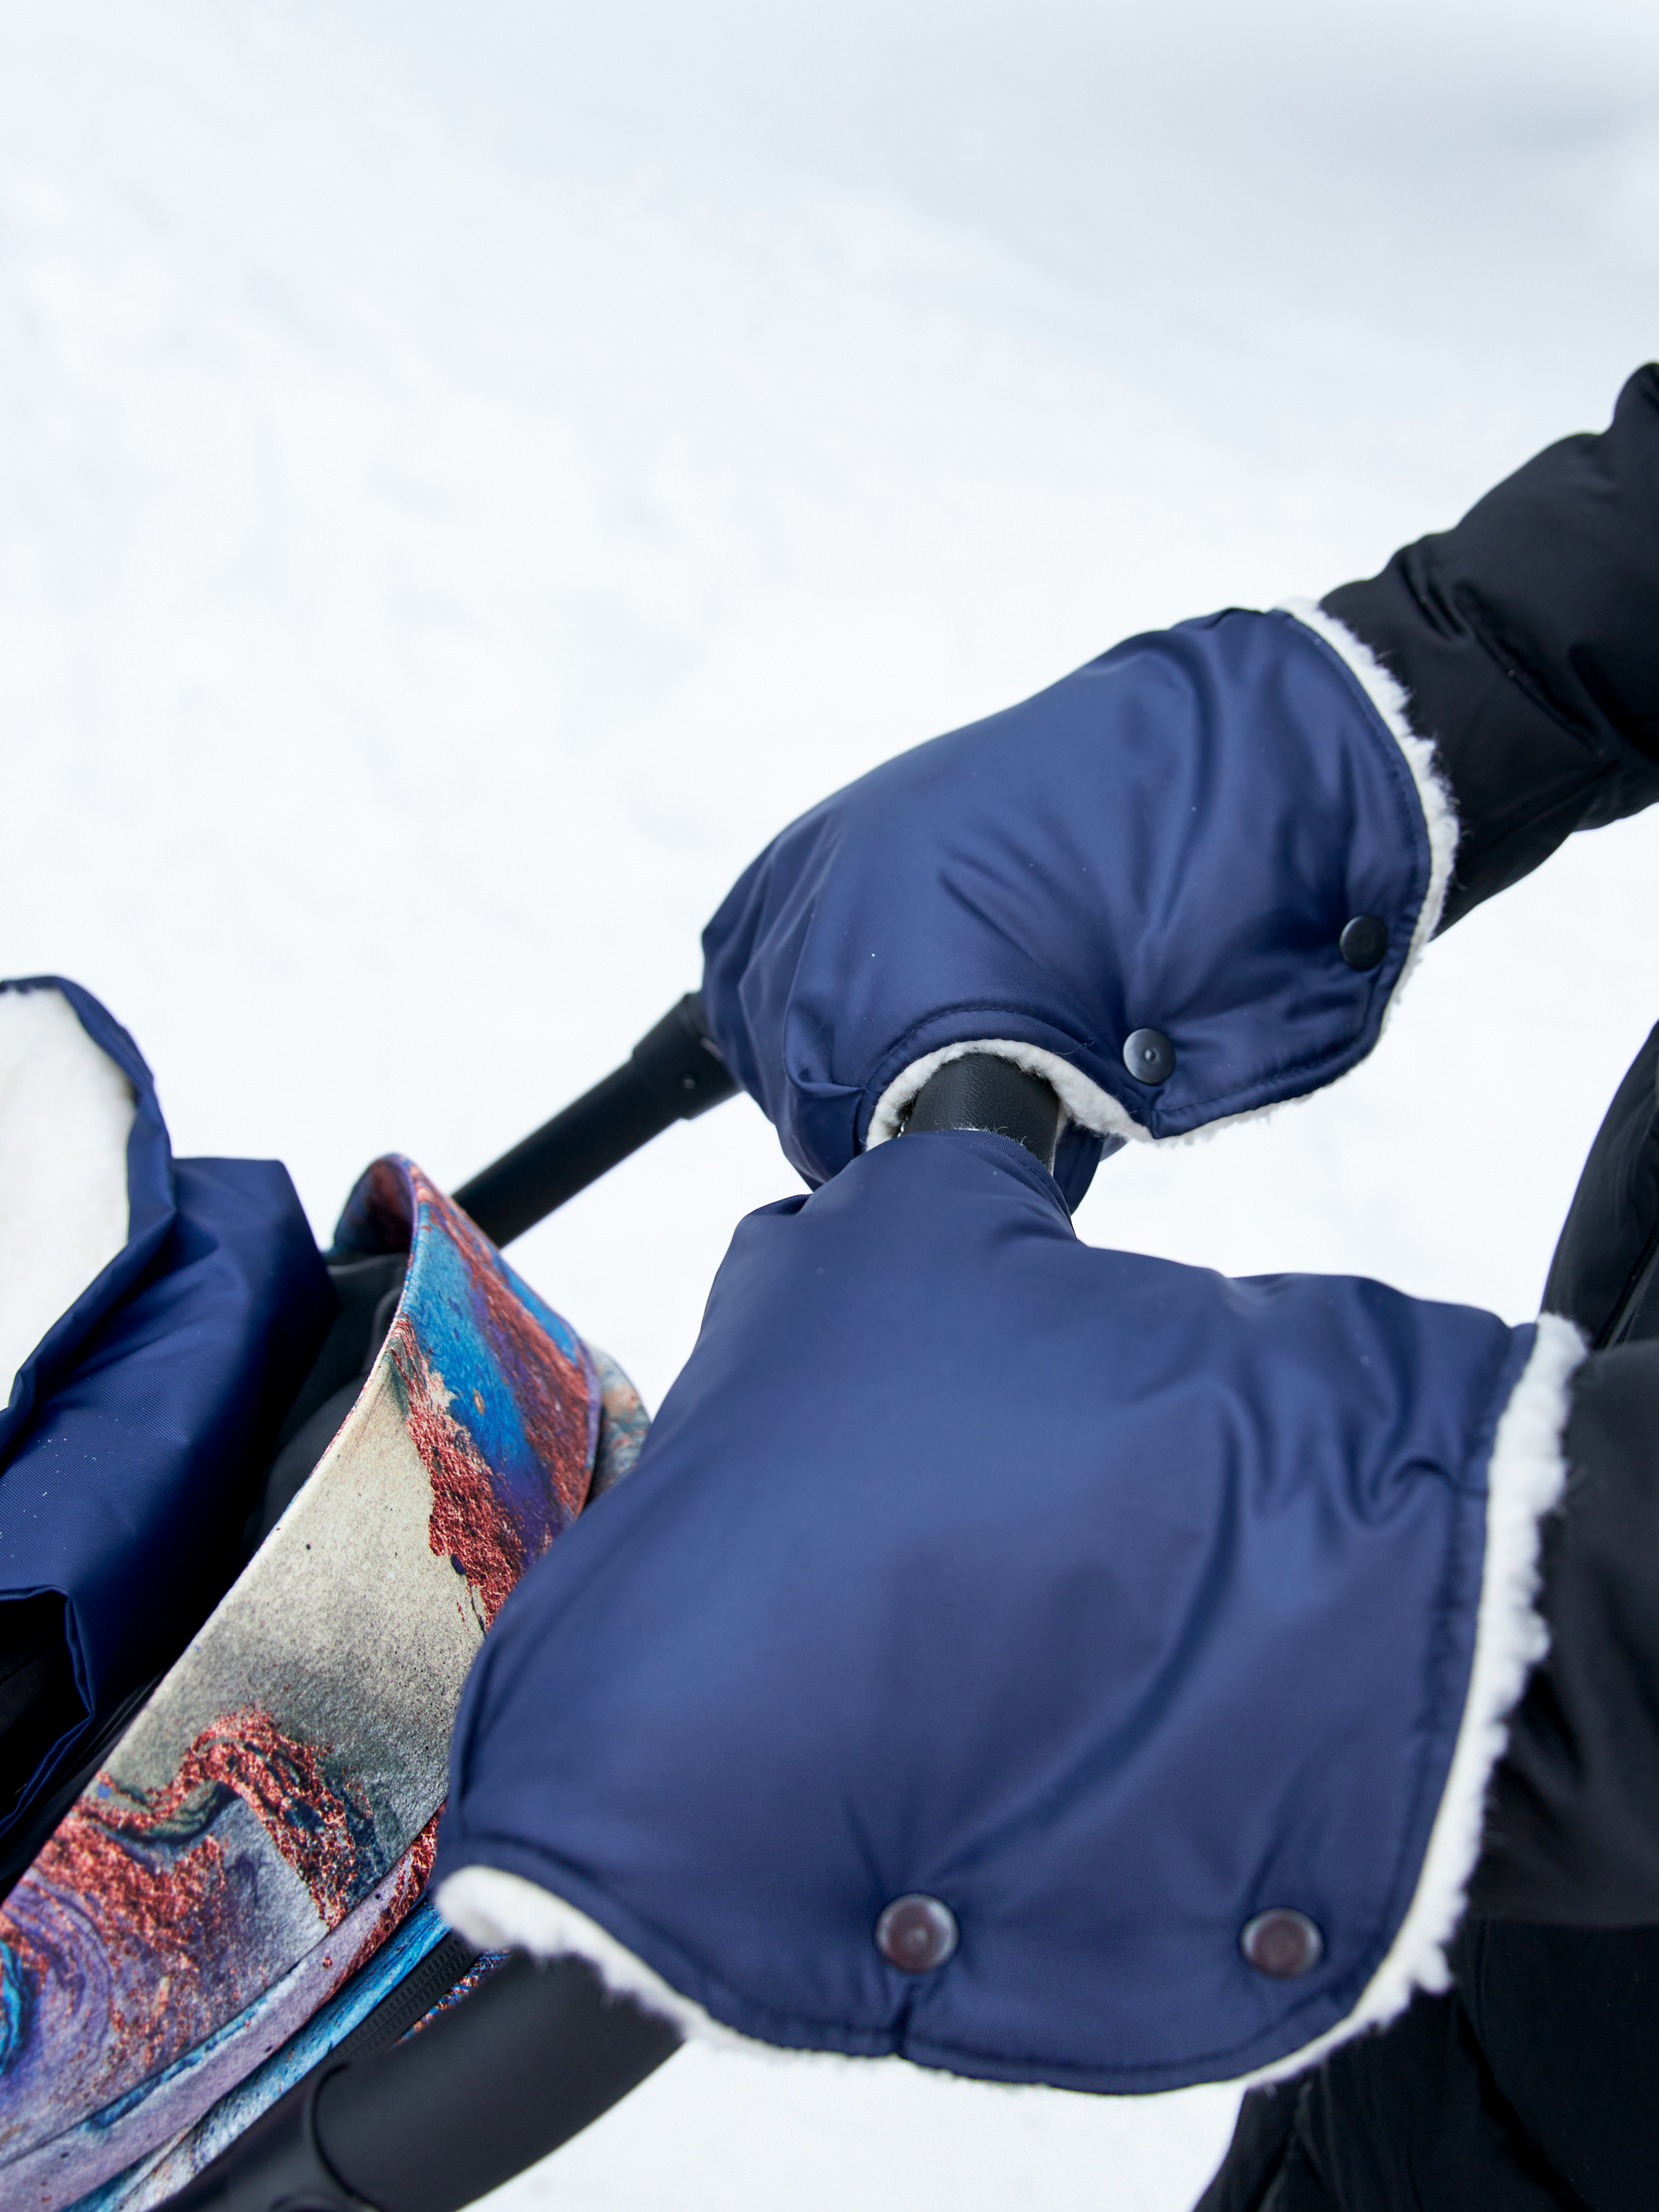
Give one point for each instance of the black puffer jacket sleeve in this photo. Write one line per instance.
(1526, 639)
(1572, 1817)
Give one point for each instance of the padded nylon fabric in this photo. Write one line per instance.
(1109, 1600)
(136, 1426)
(1173, 838)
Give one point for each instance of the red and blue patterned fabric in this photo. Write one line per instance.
(242, 1880)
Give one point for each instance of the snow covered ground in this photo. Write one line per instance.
(468, 472)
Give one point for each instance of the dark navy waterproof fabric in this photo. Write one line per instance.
(138, 1424)
(1171, 838)
(1109, 1601)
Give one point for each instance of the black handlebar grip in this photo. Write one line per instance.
(980, 1091)
(435, 2120)
(672, 1074)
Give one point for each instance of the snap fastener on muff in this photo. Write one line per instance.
(915, 1933)
(1364, 941)
(1149, 1056)
(1282, 1943)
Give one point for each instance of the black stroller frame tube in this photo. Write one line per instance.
(673, 1074)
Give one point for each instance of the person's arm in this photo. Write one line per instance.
(1572, 1821)
(1526, 641)
(1541, 2055)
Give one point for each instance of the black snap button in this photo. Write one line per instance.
(1283, 1943)
(1149, 1056)
(916, 1934)
(1364, 941)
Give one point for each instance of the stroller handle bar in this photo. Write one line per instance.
(673, 1074)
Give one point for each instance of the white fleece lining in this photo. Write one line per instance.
(1527, 1474)
(1085, 1102)
(66, 1111)
(1389, 696)
(1524, 1481)
(504, 1912)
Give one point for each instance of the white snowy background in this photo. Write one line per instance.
(470, 470)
